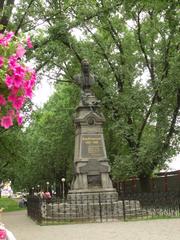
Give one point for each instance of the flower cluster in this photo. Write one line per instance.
(16, 79)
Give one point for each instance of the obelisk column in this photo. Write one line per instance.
(90, 159)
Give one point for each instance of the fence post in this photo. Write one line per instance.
(39, 217)
(100, 208)
(124, 207)
(165, 183)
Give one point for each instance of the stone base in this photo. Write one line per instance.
(90, 211)
(92, 196)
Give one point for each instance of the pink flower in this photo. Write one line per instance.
(12, 98)
(3, 234)
(4, 40)
(19, 70)
(19, 119)
(29, 84)
(28, 92)
(6, 121)
(18, 103)
(14, 90)
(33, 77)
(12, 62)
(2, 100)
(9, 36)
(18, 80)
(20, 51)
(1, 61)
(9, 81)
(29, 43)
(11, 113)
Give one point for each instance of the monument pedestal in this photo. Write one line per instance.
(91, 181)
(92, 196)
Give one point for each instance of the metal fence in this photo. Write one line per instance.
(99, 209)
(162, 182)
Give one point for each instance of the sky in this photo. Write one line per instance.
(42, 92)
(175, 164)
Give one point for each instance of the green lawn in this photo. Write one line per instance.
(9, 204)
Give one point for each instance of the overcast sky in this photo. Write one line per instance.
(42, 93)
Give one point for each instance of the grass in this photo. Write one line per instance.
(155, 217)
(9, 204)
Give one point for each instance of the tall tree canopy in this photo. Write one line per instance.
(133, 50)
(49, 141)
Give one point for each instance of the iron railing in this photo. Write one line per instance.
(98, 208)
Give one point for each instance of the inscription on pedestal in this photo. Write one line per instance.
(92, 146)
(94, 181)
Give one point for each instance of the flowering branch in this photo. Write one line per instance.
(16, 79)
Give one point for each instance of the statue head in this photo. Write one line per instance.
(85, 79)
(85, 66)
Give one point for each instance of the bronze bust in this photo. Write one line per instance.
(85, 79)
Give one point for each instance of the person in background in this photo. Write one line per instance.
(23, 202)
(47, 196)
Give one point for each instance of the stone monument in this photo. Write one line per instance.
(92, 196)
(91, 166)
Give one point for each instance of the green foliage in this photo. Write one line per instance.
(133, 48)
(49, 141)
(9, 204)
(10, 151)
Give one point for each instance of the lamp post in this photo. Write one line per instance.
(47, 184)
(38, 188)
(32, 190)
(63, 181)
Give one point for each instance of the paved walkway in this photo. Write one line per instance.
(25, 229)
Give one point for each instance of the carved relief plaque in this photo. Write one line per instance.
(92, 146)
(94, 181)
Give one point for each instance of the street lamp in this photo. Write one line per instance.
(38, 188)
(63, 181)
(47, 183)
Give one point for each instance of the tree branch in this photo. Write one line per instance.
(146, 119)
(166, 63)
(42, 65)
(84, 20)
(6, 15)
(72, 48)
(5, 165)
(156, 94)
(2, 5)
(173, 121)
(117, 77)
(23, 17)
(68, 72)
(148, 64)
(115, 37)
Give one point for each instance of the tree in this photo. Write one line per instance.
(124, 41)
(49, 142)
(6, 8)
(10, 149)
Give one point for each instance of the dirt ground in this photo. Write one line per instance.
(25, 229)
